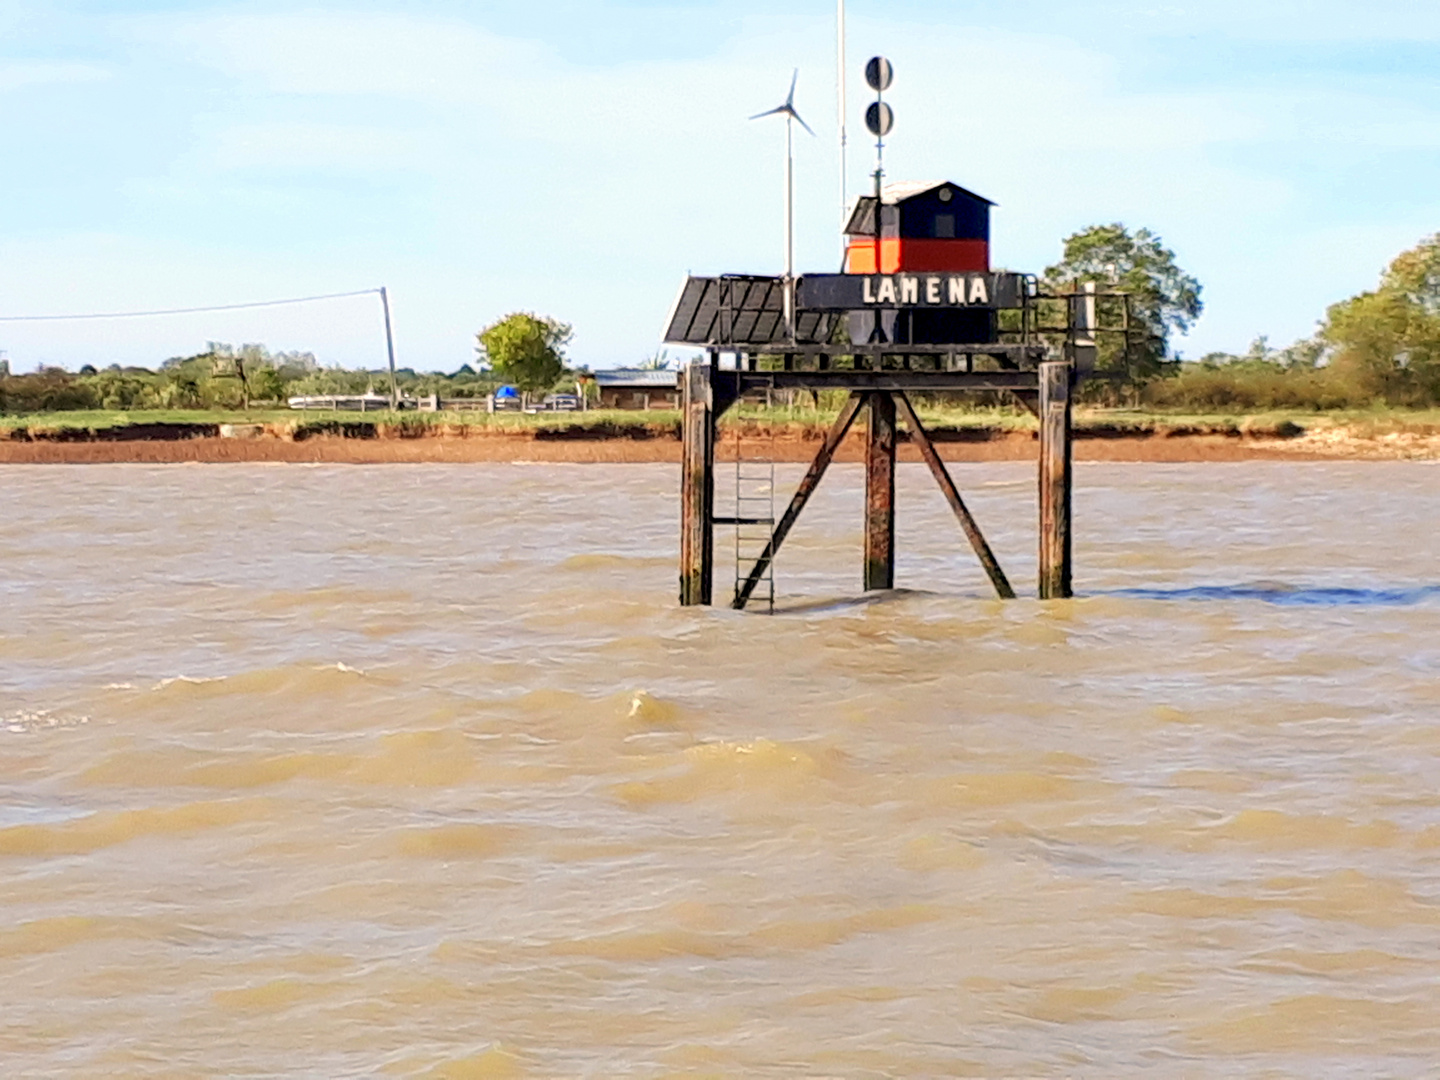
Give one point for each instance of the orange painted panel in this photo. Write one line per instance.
(862, 256)
(899, 254)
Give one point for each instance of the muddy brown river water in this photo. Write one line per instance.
(419, 771)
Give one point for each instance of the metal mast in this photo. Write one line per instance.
(879, 119)
(790, 225)
(787, 110)
(840, 110)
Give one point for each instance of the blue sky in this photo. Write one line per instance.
(577, 159)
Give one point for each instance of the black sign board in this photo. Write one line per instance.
(850, 292)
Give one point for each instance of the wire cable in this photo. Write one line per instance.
(185, 311)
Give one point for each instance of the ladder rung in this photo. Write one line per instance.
(744, 520)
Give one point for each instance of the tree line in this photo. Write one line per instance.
(522, 349)
(223, 377)
(1381, 347)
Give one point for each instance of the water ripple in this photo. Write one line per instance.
(1288, 595)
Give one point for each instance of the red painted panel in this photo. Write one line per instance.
(902, 254)
(968, 255)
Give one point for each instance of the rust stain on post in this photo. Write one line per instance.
(880, 493)
(1055, 480)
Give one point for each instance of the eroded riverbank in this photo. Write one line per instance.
(370, 442)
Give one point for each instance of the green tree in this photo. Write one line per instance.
(1415, 274)
(43, 391)
(333, 381)
(1386, 343)
(267, 384)
(526, 349)
(116, 389)
(1164, 299)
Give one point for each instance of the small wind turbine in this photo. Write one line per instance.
(787, 110)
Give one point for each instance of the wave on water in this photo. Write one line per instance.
(843, 603)
(27, 721)
(1272, 593)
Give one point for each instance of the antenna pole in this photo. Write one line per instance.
(840, 108)
(879, 206)
(390, 350)
(879, 172)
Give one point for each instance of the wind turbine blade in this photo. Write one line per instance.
(790, 97)
(802, 123)
(770, 112)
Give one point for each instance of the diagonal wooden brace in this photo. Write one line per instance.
(802, 495)
(942, 477)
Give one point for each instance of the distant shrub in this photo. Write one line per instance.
(1250, 386)
(333, 381)
(44, 390)
(122, 390)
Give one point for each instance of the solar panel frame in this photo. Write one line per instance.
(740, 310)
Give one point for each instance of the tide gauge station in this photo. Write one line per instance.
(916, 309)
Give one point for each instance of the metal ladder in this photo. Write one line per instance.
(754, 519)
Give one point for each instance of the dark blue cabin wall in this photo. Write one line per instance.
(923, 326)
(945, 326)
(919, 212)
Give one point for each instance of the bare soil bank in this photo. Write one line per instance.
(370, 443)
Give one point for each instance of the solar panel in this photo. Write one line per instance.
(740, 310)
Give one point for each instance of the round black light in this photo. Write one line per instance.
(879, 73)
(879, 118)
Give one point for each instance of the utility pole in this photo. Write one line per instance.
(390, 350)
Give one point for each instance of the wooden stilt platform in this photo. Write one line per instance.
(1036, 347)
(881, 395)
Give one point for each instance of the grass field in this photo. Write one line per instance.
(1366, 422)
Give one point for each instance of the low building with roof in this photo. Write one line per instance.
(638, 388)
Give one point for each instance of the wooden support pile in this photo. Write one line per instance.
(708, 391)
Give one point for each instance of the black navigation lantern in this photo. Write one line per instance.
(879, 73)
(879, 119)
